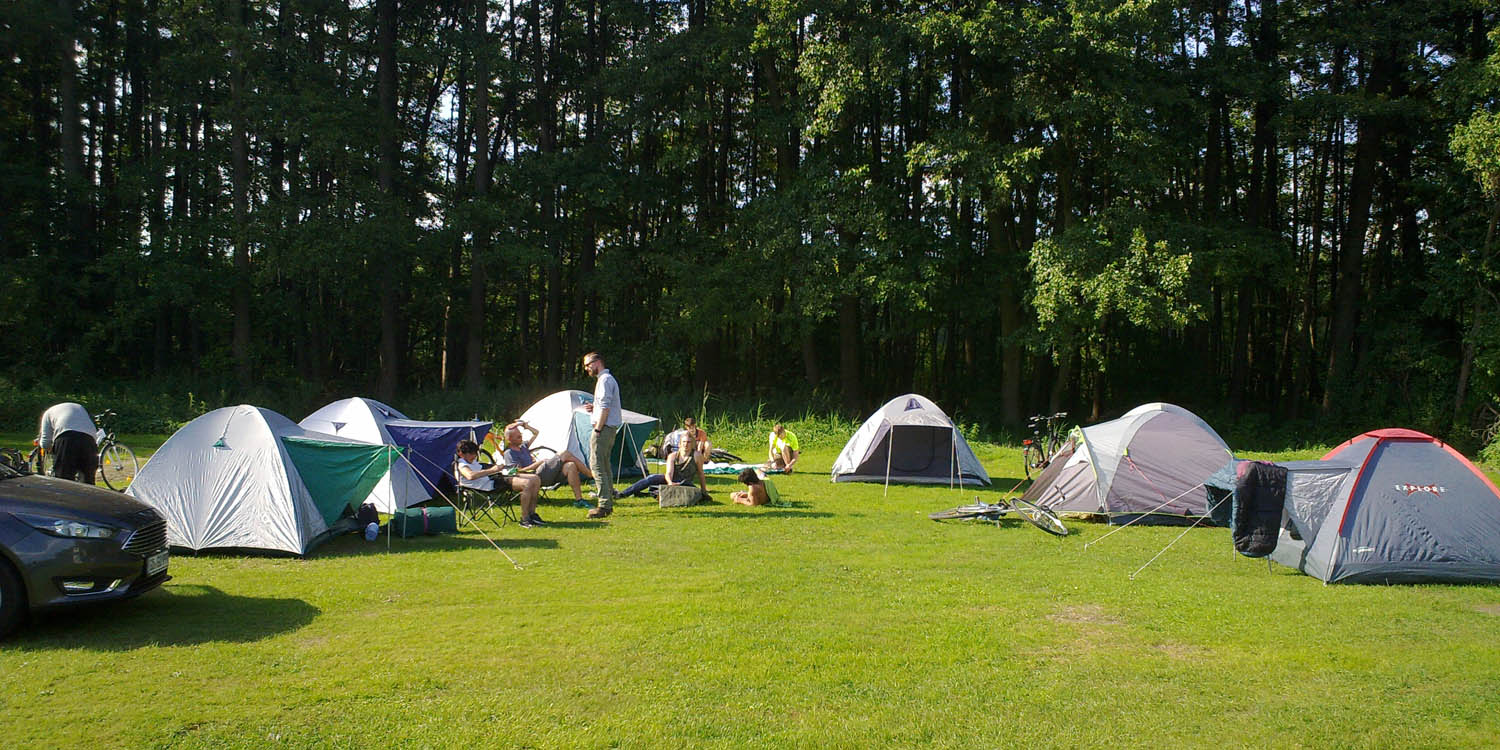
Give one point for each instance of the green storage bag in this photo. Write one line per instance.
(414, 521)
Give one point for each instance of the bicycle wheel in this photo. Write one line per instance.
(117, 466)
(1040, 517)
(1032, 458)
(962, 512)
(39, 463)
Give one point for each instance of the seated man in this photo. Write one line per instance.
(682, 467)
(784, 449)
(552, 470)
(476, 476)
(705, 449)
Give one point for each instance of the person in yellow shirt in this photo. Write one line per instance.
(783, 449)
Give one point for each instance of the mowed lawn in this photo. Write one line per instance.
(847, 620)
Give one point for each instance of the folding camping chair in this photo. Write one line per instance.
(476, 502)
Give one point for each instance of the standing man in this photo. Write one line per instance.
(67, 432)
(607, 417)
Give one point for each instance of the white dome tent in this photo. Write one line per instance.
(243, 477)
(909, 440)
(559, 420)
(364, 420)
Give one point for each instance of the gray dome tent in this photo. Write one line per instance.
(1391, 506)
(909, 440)
(1151, 461)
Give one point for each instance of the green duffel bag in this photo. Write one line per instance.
(414, 521)
(679, 496)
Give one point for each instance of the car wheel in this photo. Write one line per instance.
(12, 599)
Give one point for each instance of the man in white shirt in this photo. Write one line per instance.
(67, 432)
(607, 418)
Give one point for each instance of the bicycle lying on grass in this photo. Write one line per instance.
(1034, 514)
(117, 462)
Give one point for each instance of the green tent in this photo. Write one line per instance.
(339, 474)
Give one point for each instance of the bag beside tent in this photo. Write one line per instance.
(364, 420)
(1151, 461)
(561, 423)
(242, 477)
(1391, 506)
(909, 440)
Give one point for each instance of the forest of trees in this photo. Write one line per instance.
(1285, 207)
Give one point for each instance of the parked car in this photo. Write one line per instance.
(64, 544)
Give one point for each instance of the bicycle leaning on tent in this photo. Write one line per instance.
(1045, 440)
(117, 462)
(1034, 514)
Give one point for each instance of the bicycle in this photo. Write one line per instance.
(1045, 440)
(1034, 514)
(38, 461)
(117, 462)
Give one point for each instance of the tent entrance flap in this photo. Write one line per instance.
(923, 452)
(337, 475)
(625, 456)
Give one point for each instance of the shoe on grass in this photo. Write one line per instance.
(600, 512)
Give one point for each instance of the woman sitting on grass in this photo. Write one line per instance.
(682, 467)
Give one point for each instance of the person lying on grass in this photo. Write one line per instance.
(755, 490)
(551, 471)
(682, 468)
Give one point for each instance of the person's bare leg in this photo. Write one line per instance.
(583, 468)
(529, 492)
(571, 472)
(787, 460)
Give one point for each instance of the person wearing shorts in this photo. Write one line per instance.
(67, 432)
(552, 471)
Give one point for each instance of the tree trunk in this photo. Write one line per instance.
(388, 128)
(849, 374)
(474, 348)
(1349, 288)
(240, 176)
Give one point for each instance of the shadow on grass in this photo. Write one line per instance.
(744, 511)
(355, 546)
(174, 615)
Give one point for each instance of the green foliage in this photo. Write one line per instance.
(824, 203)
(1102, 278)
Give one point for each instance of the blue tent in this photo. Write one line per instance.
(431, 446)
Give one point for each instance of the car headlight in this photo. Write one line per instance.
(68, 527)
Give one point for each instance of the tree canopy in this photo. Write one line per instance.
(1284, 206)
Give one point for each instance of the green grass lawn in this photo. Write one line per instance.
(846, 620)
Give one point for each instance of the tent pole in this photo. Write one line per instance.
(952, 455)
(890, 447)
(389, 525)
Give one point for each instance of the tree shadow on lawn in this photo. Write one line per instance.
(174, 615)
